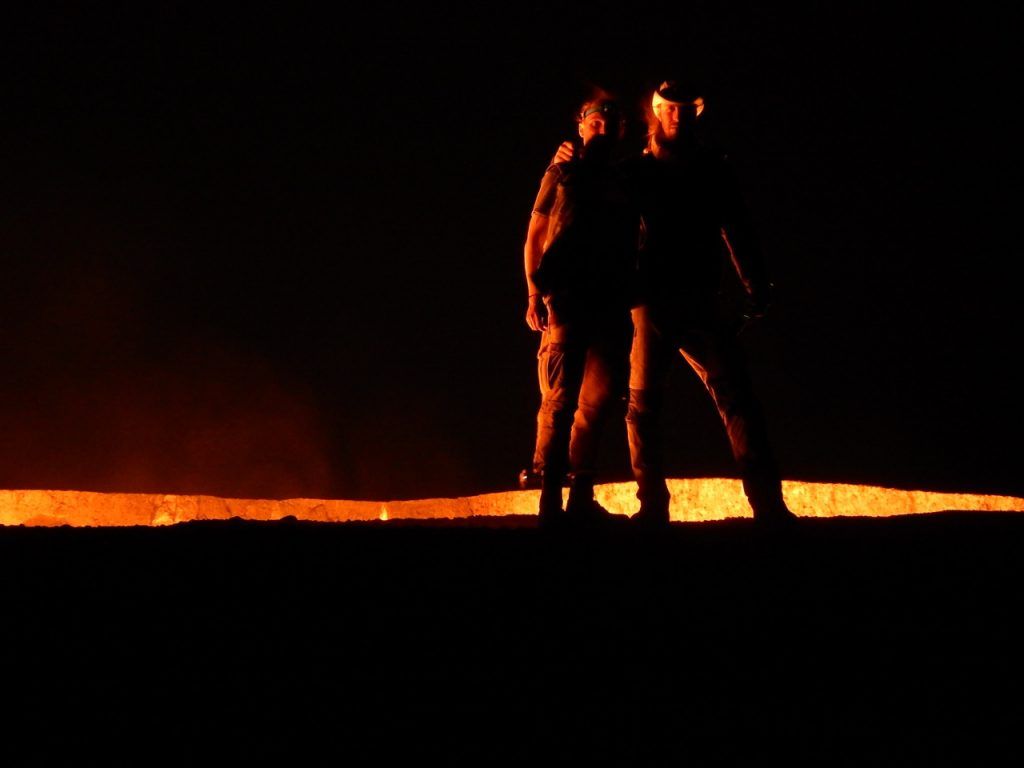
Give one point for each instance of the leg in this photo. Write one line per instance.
(560, 364)
(604, 382)
(649, 362)
(717, 358)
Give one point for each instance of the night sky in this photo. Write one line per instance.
(279, 252)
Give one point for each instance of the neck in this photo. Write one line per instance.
(664, 148)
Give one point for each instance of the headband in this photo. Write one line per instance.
(602, 108)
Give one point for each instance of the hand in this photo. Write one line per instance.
(537, 314)
(565, 153)
(755, 309)
(756, 306)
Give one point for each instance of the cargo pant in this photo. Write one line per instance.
(715, 355)
(582, 368)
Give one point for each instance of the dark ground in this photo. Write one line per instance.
(850, 642)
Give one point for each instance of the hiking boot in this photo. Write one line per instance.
(550, 513)
(587, 512)
(774, 517)
(552, 519)
(651, 518)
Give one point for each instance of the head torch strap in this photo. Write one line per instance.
(604, 109)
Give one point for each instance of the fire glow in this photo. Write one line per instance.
(693, 500)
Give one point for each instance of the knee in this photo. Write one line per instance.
(643, 404)
(733, 396)
(556, 404)
(598, 404)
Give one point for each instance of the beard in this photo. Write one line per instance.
(666, 146)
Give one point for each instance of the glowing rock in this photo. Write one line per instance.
(693, 500)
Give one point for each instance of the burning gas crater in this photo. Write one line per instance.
(693, 500)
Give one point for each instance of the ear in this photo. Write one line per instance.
(580, 129)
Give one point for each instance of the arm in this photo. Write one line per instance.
(742, 243)
(749, 265)
(536, 312)
(536, 242)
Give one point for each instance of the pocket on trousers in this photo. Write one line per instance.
(550, 365)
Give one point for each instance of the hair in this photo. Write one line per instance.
(597, 96)
(615, 108)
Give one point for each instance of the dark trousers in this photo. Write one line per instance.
(582, 367)
(715, 355)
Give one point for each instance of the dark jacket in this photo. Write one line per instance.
(693, 217)
(592, 232)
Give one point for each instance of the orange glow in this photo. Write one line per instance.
(692, 500)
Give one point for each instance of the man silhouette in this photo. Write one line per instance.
(579, 260)
(692, 214)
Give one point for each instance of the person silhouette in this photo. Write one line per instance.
(692, 214)
(579, 260)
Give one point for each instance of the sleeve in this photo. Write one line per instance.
(738, 233)
(548, 190)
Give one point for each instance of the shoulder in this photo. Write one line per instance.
(634, 165)
(717, 165)
(552, 179)
(712, 154)
(550, 186)
(557, 171)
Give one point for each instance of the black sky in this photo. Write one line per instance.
(278, 252)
